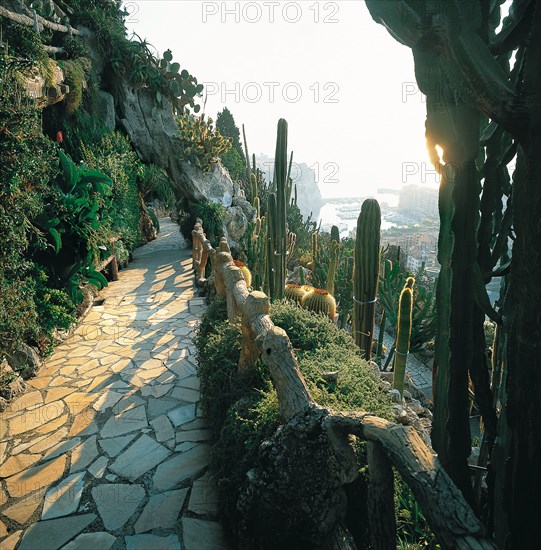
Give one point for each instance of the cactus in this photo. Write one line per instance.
(245, 272)
(334, 258)
(335, 234)
(253, 188)
(403, 334)
(277, 243)
(320, 301)
(366, 275)
(472, 83)
(295, 293)
(302, 279)
(315, 250)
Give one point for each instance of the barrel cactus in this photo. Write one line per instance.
(295, 293)
(245, 271)
(320, 301)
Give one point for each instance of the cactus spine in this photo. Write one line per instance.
(403, 334)
(366, 275)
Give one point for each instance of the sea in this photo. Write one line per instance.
(343, 212)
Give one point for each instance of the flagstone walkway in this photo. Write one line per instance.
(107, 448)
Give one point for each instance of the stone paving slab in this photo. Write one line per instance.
(107, 448)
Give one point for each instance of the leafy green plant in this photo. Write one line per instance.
(154, 184)
(55, 310)
(75, 73)
(28, 163)
(413, 531)
(113, 155)
(212, 215)
(82, 198)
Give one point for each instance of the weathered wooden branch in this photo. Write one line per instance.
(41, 21)
(200, 253)
(448, 514)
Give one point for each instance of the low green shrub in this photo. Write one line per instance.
(244, 412)
(306, 330)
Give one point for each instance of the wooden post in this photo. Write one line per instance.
(277, 353)
(235, 284)
(380, 498)
(220, 259)
(113, 269)
(257, 305)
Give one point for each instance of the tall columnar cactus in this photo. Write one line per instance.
(270, 262)
(403, 334)
(335, 234)
(253, 187)
(387, 268)
(333, 265)
(315, 250)
(278, 213)
(366, 275)
(334, 258)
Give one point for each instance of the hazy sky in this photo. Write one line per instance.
(345, 86)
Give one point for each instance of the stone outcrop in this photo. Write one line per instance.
(45, 93)
(25, 361)
(153, 138)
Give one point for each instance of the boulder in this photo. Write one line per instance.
(295, 276)
(11, 384)
(25, 361)
(235, 223)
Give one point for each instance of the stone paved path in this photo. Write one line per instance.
(420, 374)
(107, 448)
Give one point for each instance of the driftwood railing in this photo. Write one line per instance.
(389, 445)
(32, 19)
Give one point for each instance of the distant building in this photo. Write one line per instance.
(418, 201)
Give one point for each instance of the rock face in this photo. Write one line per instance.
(152, 137)
(104, 109)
